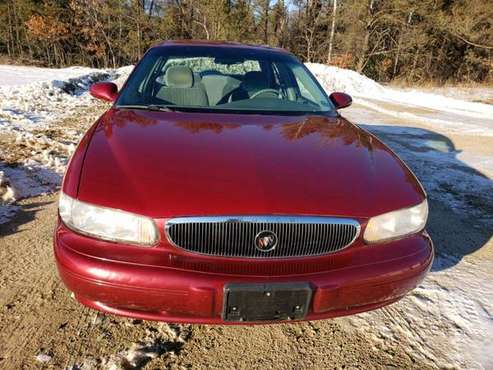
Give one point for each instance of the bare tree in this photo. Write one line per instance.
(332, 30)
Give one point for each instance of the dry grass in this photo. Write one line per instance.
(431, 84)
(24, 61)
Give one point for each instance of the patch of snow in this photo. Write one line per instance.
(440, 120)
(28, 180)
(7, 211)
(472, 94)
(6, 191)
(44, 357)
(165, 340)
(447, 321)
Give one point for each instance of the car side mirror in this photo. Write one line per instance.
(107, 91)
(340, 100)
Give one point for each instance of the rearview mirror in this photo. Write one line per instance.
(229, 61)
(107, 91)
(340, 99)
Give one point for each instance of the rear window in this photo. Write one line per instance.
(204, 65)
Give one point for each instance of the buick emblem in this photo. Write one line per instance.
(265, 241)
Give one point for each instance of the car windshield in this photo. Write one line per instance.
(223, 79)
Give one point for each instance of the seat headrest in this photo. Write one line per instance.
(179, 76)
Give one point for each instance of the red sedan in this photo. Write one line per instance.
(223, 186)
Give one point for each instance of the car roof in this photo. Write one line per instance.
(220, 44)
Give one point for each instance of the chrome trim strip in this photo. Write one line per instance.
(276, 219)
(265, 218)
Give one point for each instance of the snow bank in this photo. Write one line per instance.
(23, 75)
(444, 112)
(344, 80)
(28, 106)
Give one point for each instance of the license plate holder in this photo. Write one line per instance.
(266, 302)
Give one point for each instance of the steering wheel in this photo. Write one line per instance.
(273, 92)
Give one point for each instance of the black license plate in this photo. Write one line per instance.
(266, 302)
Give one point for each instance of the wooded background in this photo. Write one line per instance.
(413, 41)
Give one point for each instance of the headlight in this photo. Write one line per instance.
(106, 223)
(397, 224)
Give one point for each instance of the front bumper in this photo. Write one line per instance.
(175, 295)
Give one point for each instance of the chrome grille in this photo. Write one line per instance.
(235, 236)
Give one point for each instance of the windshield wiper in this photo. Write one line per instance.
(216, 109)
(153, 107)
(162, 108)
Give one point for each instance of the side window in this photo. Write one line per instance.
(307, 87)
(303, 90)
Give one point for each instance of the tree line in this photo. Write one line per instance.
(408, 40)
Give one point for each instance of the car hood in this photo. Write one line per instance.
(165, 164)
